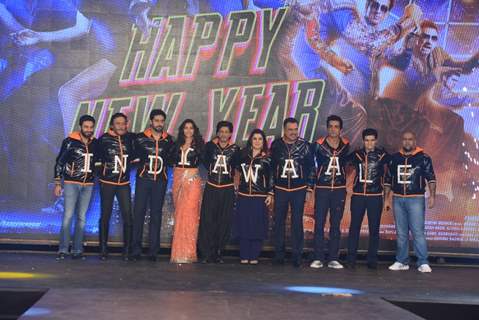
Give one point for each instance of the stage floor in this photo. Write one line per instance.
(114, 289)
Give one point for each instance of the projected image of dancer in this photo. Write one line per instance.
(306, 50)
(26, 26)
(187, 188)
(408, 81)
(219, 159)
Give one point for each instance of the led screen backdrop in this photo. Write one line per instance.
(251, 62)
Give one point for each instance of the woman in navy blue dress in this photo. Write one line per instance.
(254, 195)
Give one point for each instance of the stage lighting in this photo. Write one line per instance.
(325, 290)
(21, 275)
(35, 312)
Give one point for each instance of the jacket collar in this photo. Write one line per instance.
(216, 141)
(149, 133)
(416, 151)
(77, 136)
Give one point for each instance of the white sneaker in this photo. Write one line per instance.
(316, 264)
(424, 268)
(335, 265)
(398, 266)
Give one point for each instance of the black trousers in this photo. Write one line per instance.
(282, 200)
(152, 192)
(215, 220)
(332, 201)
(123, 195)
(373, 205)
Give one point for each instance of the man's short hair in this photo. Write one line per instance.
(370, 132)
(118, 115)
(86, 117)
(289, 120)
(409, 131)
(429, 24)
(157, 112)
(222, 124)
(334, 117)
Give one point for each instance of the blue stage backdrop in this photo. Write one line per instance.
(253, 62)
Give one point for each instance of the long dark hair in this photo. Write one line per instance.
(197, 138)
(249, 144)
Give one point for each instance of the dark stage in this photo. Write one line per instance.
(114, 289)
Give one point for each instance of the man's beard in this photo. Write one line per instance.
(158, 129)
(87, 134)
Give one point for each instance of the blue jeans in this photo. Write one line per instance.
(77, 200)
(409, 214)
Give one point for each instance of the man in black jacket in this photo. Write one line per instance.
(292, 161)
(153, 147)
(219, 159)
(329, 181)
(409, 171)
(369, 163)
(74, 165)
(116, 154)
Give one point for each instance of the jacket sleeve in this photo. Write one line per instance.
(61, 161)
(206, 156)
(269, 178)
(311, 177)
(428, 169)
(388, 175)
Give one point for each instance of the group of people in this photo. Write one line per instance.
(284, 175)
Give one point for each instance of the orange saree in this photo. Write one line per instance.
(186, 198)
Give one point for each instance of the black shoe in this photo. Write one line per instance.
(350, 265)
(219, 260)
(205, 261)
(373, 265)
(297, 263)
(78, 256)
(278, 261)
(60, 256)
(103, 256)
(152, 258)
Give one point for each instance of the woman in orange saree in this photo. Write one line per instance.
(187, 192)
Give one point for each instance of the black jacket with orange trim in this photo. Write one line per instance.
(255, 174)
(291, 164)
(189, 158)
(331, 163)
(220, 163)
(153, 155)
(369, 167)
(116, 154)
(408, 174)
(75, 162)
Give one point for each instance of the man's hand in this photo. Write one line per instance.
(268, 200)
(309, 195)
(430, 202)
(26, 37)
(143, 22)
(57, 191)
(414, 12)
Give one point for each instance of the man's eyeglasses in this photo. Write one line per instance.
(430, 37)
(377, 6)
